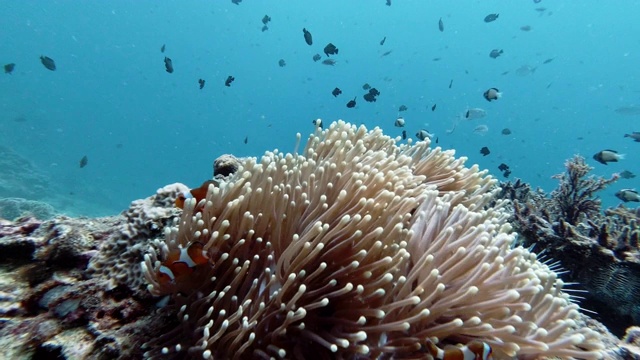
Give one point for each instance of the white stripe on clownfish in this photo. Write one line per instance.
(474, 350)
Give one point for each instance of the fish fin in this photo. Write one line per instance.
(620, 157)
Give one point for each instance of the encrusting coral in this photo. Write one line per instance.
(356, 248)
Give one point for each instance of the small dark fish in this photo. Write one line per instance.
(246, 139)
(503, 167)
(433, 108)
(265, 28)
(536, 1)
(168, 65)
(229, 80)
(282, 63)
(162, 48)
(317, 57)
(329, 62)
(492, 94)
(330, 49)
(450, 83)
(84, 161)
(388, 2)
(634, 135)
(627, 195)
(491, 17)
(404, 134)
(368, 97)
(525, 28)
(541, 9)
(383, 40)
(386, 53)
(506, 173)
(548, 60)
(506, 131)
(607, 156)
(336, 92)
(441, 25)
(201, 82)
(374, 92)
(436, 59)
(495, 53)
(402, 108)
(424, 134)
(8, 69)
(627, 174)
(485, 151)
(352, 103)
(317, 123)
(399, 122)
(628, 110)
(48, 63)
(266, 19)
(307, 37)
(366, 86)
(237, 2)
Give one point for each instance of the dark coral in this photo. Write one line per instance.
(598, 250)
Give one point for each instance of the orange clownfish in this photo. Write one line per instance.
(197, 193)
(181, 262)
(474, 350)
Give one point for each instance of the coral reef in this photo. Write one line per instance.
(356, 248)
(19, 178)
(598, 251)
(13, 208)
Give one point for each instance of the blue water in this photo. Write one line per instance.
(142, 128)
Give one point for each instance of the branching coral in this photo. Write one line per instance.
(575, 195)
(358, 248)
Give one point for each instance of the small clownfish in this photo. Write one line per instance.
(181, 262)
(474, 350)
(197, 193)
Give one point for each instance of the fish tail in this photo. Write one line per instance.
(620, 156)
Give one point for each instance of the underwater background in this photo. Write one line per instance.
(568, 74)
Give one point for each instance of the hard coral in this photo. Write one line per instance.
(357, 248)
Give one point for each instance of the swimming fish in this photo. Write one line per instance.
(475, 113)
(491, 17)
(495, 53)
(492, 94)
(307, 37)
(506, 131)
(229, 80)
(441, 25)
(424, 134)
(399, 122)
(481, 130)
(201, 82)
(198, 193)
(383, 40)
(8, 69)
(48, 63)
(607, 156)
(181, 262)
(634, 135)
(329, 62)
(265, 28)
(282, 63)
(237, 2)
(505, 170)
(402, 108)
(627, 174)
(266, 19)
(336, 92)
(386, 53)
(433, 108)
(627, 195)
(525, 28)
(316, 57)
(371, 95)
(388, 3)
(317, 123)
(366, 86)
(246, 139)
(168, 65)
(352, 103)
(485, 151)
(330, 49)
(474, 350)
(84, 161)
(404, 134)
(450, 83)
(162, 48)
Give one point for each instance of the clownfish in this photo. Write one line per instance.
(474, 350)
(181, 262)
(197, 193)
